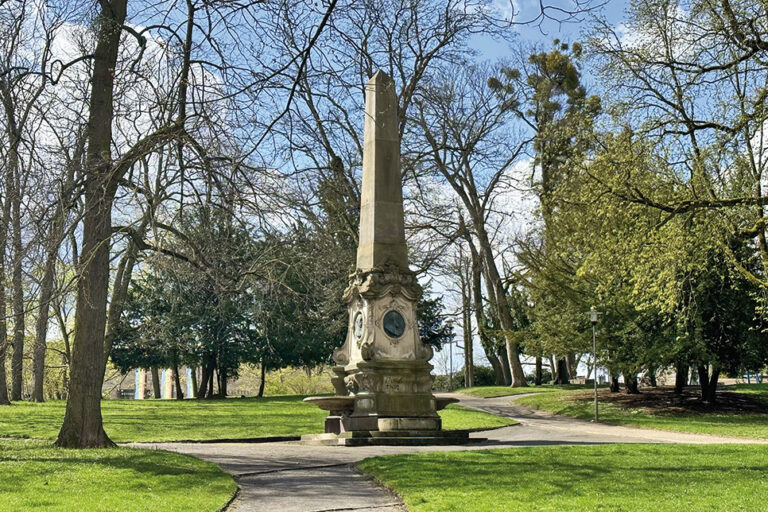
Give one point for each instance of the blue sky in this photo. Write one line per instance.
(548, 30)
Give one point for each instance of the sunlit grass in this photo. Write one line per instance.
(36, 476)
(199, 420)
(579, 405)
(616, 478)
(496, 391)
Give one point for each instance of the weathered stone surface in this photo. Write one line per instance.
(382, 231)
(383, 365)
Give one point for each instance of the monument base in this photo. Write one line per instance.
(391, 438)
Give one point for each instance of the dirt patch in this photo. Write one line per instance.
(663, 400)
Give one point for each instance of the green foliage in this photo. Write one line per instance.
(37, 476)
(435, 328)
(665, 478)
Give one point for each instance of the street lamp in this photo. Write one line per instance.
(593, 319)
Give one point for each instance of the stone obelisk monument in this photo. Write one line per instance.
(383, 382)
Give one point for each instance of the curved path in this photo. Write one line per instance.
(291, 477)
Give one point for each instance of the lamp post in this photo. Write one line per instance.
(593, 319)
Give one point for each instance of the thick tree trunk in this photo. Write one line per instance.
(538, 375)
(202, 391)
(571, 365)
(222, 383)
(708, 383)
(177, 382)
(630, 384)
(615, 387)
(83, 425)
(562, 372)
(502, 354)
(157, 391)
(681, 377)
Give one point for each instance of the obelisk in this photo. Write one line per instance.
(383, 382)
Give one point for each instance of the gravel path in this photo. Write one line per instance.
(291, 477)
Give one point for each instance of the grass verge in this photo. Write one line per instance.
(496, 391)
(37, 476)
(456, 417)
(617, 478)
(733, 424)
(172, 420)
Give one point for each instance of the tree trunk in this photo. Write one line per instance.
(41, 327)
(480, 320)
(3, 297)
(630, 384)
(119, 293)
(708, 384)
(54, 240)
(502, 354)
(572, 365)
(502, 306)
(177, 382)
(157, 391)
(681, 377)
(562, 371)
(222, 383)
(17, 361)
(615, 387)
(206, 375)
(466, 316)
(83, 425)
(538, 375)
(263, 379)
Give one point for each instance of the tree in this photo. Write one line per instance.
(463, 125)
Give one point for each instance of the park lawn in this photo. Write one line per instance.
(616, 478)
(760, 390)
(732, 424)
(496, 391)
(200, 420)
(456, 417)
(37, 476)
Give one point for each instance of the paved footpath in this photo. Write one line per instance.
(290, 477)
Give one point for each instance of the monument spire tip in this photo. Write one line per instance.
(379, 77)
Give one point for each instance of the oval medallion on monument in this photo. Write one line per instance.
(394, 324)
(357, 327)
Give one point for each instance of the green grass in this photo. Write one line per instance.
(456, 417)
(615, 478)
(496, 391)
(580, 405)
(36, 476)
(171, 420)
(750, 389)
